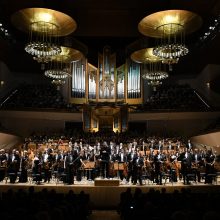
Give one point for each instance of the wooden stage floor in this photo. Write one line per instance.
(108, 196)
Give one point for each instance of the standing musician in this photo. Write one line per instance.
(197, 163)
(69, 166)
(37, 168)
(3, 164)
(130, 166)
(173, 168)
(78, 164)
(23, 167)
(58, 164)
(121, 158)
(13, 165)
(47, 164)
(157, 161)
(138, 163)
(186, 165)
(209, 166)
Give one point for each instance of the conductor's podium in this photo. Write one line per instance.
(106, 182)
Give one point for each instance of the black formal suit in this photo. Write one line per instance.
(105, 156)
(138, 163)
(13, 167)
(69, 169)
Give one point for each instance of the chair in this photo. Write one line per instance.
(191, 177)
(212, 177)
(147, 178)
(12, 177)
(167, 176)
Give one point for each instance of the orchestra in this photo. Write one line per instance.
(128, 162)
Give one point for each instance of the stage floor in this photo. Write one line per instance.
(109, 196)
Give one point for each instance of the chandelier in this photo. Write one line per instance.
(58, 68)
(153, 70)
(44, 26)
(58, 82)
(170, 27)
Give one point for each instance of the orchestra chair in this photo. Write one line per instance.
(146, 179)
(12, 177)
(213, 177)
(191, 177)
(63, 177)
(167, 176)
(55, 177)
(217, 176)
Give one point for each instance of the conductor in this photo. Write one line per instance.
(104, 159)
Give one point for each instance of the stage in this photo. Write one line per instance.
(107, 197)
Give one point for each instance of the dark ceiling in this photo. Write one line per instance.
(113, 23)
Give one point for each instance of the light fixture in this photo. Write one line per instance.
(58, 68)
(44, 26)
(170, 27)
(153, 70)
(58, 82)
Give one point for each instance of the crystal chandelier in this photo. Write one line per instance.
(169, 28)
(172, 44)
(43, 43)
(153, 70)
(58, 82)
(154, 73)
(58, 69)
(44, 26)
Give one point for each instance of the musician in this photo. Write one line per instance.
(160, 146)
(58, 164)
(197, 162)
(169, 146)
(157, 161)
(186, 165)
(69, 168)
(189, 145)
(209, 165)
(23, 167)
(3, 158)
(121, 158)
(104, 159)
(3, 164)
(78, 164)
(173, 168)
(138, 162)
(48, 160)
(13, 165)
(130, 157)
(37, 168)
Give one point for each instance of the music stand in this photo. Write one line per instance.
(118, 166)
(89, 166)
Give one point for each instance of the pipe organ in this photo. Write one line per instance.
(107, 88)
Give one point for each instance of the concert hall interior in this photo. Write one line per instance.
(109, 109)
